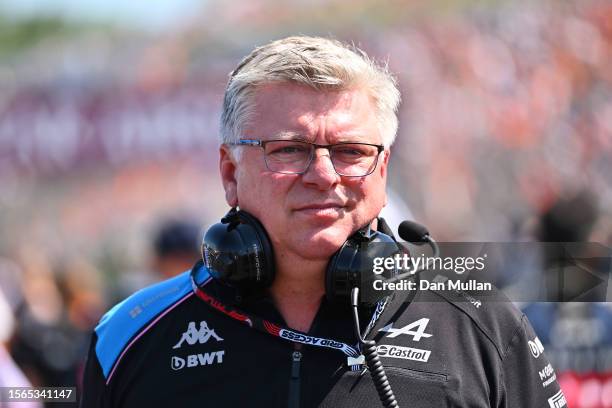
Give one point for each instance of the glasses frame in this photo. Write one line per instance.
(262, 144)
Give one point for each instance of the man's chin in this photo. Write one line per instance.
(321, 245)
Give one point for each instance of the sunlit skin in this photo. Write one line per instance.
(309, 216)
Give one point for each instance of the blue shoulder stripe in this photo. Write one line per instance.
(126, 319)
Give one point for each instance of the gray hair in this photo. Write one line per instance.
(320, 63)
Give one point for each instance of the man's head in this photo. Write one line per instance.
(315, 90)
(175, 247)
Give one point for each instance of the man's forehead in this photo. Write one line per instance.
(292, 111)
(309, 98)
(330, 137)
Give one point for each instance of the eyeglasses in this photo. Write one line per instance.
(294, 156)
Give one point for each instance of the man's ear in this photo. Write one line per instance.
(227, 168)
(384, 169)
(385, 161)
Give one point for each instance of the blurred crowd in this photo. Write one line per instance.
(49, 310)
(504, 112)
(107, 176)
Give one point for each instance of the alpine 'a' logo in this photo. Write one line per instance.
(415, 329)
(193, 335)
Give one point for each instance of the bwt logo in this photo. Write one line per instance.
(177, 363)
(196, 360)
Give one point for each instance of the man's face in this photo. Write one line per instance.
(310, 214)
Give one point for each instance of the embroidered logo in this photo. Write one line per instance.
(536, 347)
(194, 335)
(415, 329)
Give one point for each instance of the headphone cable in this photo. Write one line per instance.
(377, 371)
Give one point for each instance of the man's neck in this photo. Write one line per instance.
(297, 291)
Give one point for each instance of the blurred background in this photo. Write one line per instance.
(109, 118)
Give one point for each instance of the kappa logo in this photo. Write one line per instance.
(557, 400)
(536, 347)
(193, 335)
(420, 326)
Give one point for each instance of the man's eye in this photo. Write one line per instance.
(289, 149)
(350, 151)
(292, 149)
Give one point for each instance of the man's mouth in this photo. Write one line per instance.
(320, 206)
(322, 209)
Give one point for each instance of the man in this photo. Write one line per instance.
(306, 130)
(175, 247)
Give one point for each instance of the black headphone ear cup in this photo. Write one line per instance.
(341, 276)
(265, 247)
(237, 252)
(352, 266)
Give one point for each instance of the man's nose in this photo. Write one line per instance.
(321, 172)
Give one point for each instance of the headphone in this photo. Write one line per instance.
(238, 252)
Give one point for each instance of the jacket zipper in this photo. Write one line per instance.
(294, 381)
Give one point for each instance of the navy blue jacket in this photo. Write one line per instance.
(165, 347)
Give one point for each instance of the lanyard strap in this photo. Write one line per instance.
(355, 359)
(265, 326)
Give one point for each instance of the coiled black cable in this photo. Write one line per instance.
(377, 371)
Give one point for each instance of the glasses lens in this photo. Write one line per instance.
(287, 156)
(354, 159)
(293, 157)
